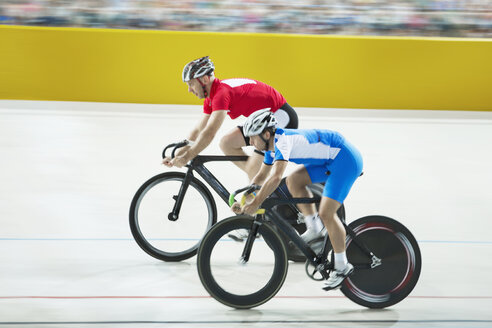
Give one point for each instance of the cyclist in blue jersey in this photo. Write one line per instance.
(326, 157)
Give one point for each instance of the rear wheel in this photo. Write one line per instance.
(229, 280)
(396, 276)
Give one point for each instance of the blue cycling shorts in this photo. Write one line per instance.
(338, 174)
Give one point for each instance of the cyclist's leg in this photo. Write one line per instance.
(232, 143)
(254, 163)
(343, 172)
(328, 208)
(336, 231)
(297, 183)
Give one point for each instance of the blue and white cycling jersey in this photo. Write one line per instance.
(325, 154)
(311, 147)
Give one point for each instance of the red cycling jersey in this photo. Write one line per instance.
(242, 97)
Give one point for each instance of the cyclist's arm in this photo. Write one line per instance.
(262, 174)
(194, 133)
(272, 183)
(199, 127)
(207, 133)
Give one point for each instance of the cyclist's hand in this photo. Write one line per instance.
(250, 209)
(249, 198)
(236, 208)
(179, 161)
(167, 161)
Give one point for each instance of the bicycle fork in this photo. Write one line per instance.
(174, 214)
(248, 246)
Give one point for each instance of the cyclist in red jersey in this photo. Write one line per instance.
(233, 97)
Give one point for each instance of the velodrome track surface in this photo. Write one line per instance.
(69, 172)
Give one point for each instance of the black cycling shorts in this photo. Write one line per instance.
(286, 118)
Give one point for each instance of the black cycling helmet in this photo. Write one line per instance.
(197, 68)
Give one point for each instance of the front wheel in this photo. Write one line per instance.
(391, 280)
(157, 232)
(229, 279)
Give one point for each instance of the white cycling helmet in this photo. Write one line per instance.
(198, 68)
(258, 122)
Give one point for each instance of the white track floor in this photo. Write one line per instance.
(67, 257)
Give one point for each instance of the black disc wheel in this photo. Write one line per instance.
(231, 280)
(162, 235)
(391, 280)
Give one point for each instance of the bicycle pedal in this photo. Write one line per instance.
(240, 237)
(235, 238)
(332, 288)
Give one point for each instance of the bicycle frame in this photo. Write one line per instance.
(320, 260)
(197, 165)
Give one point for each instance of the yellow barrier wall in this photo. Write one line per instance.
(311, 71)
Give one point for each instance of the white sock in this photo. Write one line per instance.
(340, 261)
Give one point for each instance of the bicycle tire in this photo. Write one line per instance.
(152, 239)
(213, 283)
(401, 262)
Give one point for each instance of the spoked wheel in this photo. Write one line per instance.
(229, 280)
(398, 272)
(160, 235)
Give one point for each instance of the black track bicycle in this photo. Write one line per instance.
(385, 255)
(171, 211)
